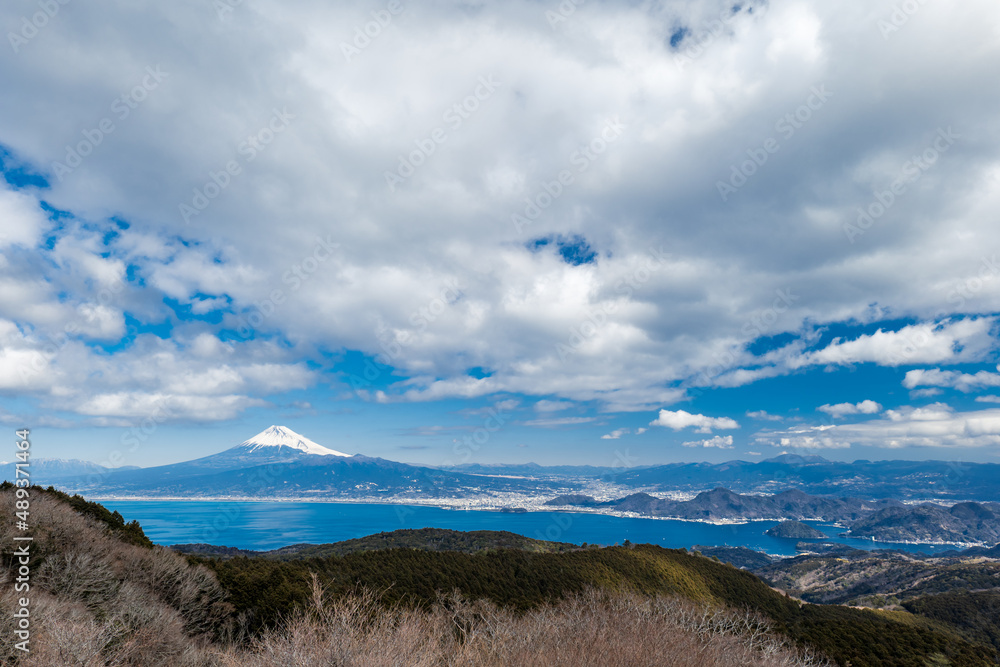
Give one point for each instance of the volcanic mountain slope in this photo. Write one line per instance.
(281, 463)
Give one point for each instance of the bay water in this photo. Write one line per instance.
(268, 525)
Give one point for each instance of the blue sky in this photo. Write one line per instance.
(502, 232)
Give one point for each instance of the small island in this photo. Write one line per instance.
(795, 530)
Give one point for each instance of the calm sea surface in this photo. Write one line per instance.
(267, 525)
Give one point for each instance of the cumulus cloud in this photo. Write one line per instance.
(949, 341)
(964, 382)
(681, 419)
(435, 275)
(21, 219)
(866, 407)
(763, 415)
(718, 442)
(954, 341)
(925, 393)
(936, 425)
(614, 435)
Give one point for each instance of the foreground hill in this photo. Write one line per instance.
(426, 539)
(526, 581)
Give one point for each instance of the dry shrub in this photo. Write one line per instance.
(598, 629)
(98, 601)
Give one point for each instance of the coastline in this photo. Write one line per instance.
(483, 506)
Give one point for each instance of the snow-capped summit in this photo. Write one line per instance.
(277, 437)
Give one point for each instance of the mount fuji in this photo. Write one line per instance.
(280, 463)
(275, 444)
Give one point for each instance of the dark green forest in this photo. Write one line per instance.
(266, 590)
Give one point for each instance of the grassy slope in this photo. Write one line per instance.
(269, 589)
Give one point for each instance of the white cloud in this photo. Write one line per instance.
(763, 415)
(616, 434)
(21, 218)
(164, 407)
(936, 425)
(963, 340)
(718, 441)
(964, 382)
(865, 407)
(552, 406)
(633, 330)
(680, 419)
(925, 393)
(558, 421)
(987, 399)
(956, 341)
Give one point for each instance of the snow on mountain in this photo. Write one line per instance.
(274, 438)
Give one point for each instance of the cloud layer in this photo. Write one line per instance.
(219, 227)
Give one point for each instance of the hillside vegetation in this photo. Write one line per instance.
(425, 539)
(103, 595)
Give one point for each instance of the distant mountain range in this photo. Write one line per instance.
(902, 480)
(314, 470)
(882, 520)
(281, 463)
(44, 471)
(722, 504)
(864, 496)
